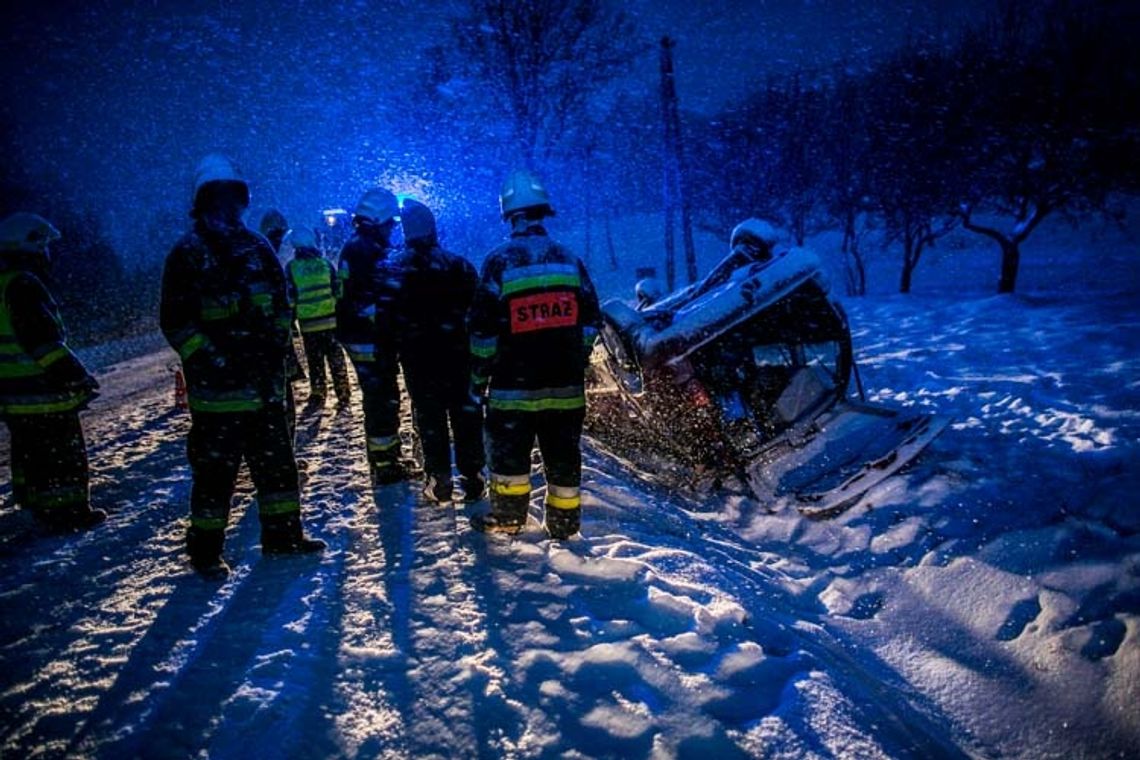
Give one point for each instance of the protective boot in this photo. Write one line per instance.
(438, 489)
(205, 550)
(562, 523)
(474, 487)
(71, 520)
(388, 471)
(282, 534)
(563, 510)
(507, 515)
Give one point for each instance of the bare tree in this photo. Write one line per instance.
(543, 61)
(1058, 107)
(913, 174)
(846, 151)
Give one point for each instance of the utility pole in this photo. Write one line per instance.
(610, 242)
(590, 208)
(674, 181)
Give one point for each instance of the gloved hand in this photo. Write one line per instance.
(86, 386)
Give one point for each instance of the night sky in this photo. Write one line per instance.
(116, 101)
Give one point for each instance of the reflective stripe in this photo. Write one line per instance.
(383, 443)
(317, 325)
(563, 497)
(537, 400)
(220, 402)
(548, 281)
(510, 485)
(213, 310)
(15, 362)
(48, 355)
(538, 405)
(484, 347)
(208, 523)
(24, 407)
(527, 394)
(195, 342)
(279, 504)
(222, 407)
(360, 352)
(540, 276)
(56, 498)
(319, 305)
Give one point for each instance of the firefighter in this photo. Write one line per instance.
(532, 325)
(43, 384)
(364, 326)
(225, 311)
(435, 290)
(274, 227)
(313, 289)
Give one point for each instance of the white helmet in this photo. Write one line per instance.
(302, 237)
(217, 168)
(523, 190)
(378, 204)
(27, 233)
(755, 232)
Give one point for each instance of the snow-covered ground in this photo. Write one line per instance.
(986, 602)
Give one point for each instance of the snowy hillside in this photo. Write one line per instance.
(984, 603)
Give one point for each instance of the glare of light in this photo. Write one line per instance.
(332, 214)
(409, 185)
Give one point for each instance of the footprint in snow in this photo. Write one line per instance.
(1020, 615)
(866, 606)
(1105, 639)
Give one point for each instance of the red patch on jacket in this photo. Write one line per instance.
(543, 311)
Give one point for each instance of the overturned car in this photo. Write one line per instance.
(747, 373)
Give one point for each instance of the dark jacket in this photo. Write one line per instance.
(435, 291)
(39, 374)
(364, 312)
(532, 322)
(225, 311)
